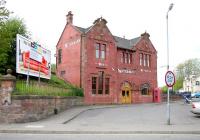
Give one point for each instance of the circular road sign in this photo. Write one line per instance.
(169, 78)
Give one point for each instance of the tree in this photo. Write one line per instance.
(8, 32)
(4, 13)
(53, 68)
(189, 67)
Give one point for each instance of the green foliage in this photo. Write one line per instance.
(59, 82)
(53, 68)
(52, 87)
(189, 67)
(8, 33)
(178, 85)
(164, 89)
(4, 12)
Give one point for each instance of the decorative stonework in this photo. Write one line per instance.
(7, 87)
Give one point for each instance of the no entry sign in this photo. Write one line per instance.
(169, 78)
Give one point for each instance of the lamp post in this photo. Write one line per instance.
(168, 104)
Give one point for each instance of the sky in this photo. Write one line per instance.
(45, 20)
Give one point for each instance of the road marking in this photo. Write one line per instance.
(34, 126)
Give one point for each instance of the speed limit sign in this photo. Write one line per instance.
(169, 78)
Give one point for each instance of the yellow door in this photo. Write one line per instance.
(126, 96)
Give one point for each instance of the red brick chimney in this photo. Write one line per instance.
(69, 17)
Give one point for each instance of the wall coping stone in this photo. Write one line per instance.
(22, 97)
(8, 76)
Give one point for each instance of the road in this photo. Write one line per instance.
(136, 117)
(140, 120)
(98, 137)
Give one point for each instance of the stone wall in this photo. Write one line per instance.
(172, 97)
(34, 108)
(17, 109)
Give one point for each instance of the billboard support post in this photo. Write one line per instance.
(27, 80)
(39, 75)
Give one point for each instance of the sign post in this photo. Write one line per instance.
(170, 81)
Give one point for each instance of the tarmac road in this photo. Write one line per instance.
(98, 137)
(114, 119)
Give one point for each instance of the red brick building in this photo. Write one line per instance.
(110, 69)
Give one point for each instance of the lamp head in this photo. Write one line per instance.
(171, 6)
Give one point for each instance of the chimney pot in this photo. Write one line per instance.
(69, 17)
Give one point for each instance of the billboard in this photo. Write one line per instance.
(32, 59)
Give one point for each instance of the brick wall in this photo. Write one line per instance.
(34, 108)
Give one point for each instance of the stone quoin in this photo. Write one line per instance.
(110, 69)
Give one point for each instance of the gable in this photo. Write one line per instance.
(69, 31)
(100, 31)
(145, 45)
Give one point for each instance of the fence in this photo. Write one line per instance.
(44, 89)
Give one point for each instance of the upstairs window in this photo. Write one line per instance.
(145, 60)
(103, 51)
(126, 58)
(100, 51)
(97, 46)
(59, 56)
(130, 58)
(148, 60)
(141, 59)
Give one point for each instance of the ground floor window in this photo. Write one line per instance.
(145, 89)
(107, 81)
(100, 84)
(94, 83)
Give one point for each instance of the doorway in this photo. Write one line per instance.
(126, 93)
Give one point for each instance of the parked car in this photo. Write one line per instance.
(196, 106)
(195, 95)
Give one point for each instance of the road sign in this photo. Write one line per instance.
(169, 78)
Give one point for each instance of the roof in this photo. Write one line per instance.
(125, 43)
(121, 42)
(83, 30)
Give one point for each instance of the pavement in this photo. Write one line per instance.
(106, 119)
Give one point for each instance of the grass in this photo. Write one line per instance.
(52, 87)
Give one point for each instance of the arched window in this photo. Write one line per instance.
(145, 89)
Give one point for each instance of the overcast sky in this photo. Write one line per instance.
(45, 19)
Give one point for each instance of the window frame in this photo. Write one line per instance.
(100, 51)
(94, 90)
(59, 56)
(100, 82)
(141, 59)
(107, 85)
(97, 50)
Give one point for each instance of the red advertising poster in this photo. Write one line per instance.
(32, 59)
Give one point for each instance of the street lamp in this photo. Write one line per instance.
(168, 105)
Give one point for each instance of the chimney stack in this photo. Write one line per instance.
(145, 35)
(69, 17)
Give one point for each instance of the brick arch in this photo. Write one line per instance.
(145, 88)
(145, 85)
(131, 84)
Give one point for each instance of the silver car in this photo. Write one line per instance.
(196, 106)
